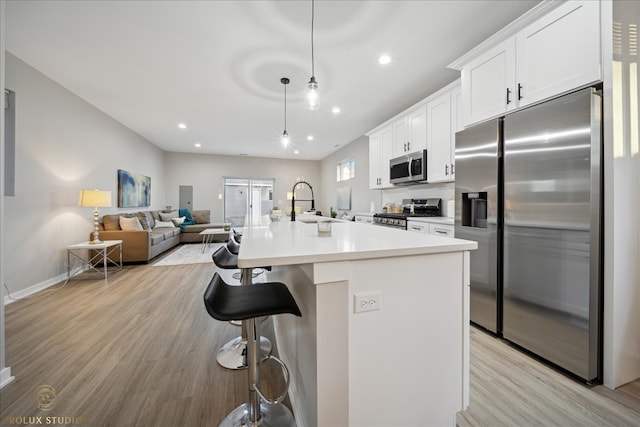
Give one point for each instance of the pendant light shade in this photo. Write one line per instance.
(312, 86)
(284, 138)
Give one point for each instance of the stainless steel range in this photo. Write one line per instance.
(411, 208)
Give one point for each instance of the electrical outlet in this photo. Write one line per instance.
(369, 301)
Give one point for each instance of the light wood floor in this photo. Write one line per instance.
(140, 351)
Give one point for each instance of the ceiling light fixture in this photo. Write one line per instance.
(284, 138)
(312, 86)
(182, 126)
(335, 110)
(198, 145)
(310, 138)
(384, 59)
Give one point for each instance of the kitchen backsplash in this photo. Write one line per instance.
(442, 191)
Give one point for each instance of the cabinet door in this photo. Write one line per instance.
(439, 139)
(374, 161)
(559, 52)
(488, 84)
(417, 122)
(400, 137)
(386, 141)
(456, 125)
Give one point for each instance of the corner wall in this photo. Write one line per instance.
(63, 144)
(5, 371)
(621, 347)
(361, 196)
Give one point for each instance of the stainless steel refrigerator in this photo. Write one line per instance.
(528, 190)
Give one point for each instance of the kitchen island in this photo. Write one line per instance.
(384, 335)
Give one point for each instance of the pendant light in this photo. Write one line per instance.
(312, 86)
(284, 138)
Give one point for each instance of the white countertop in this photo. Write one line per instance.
(432, 219)
(288, 243)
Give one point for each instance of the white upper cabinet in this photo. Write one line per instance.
(439, 139)
(487, 83)
(410, 132)
(374, 160)
(559, 52)
(553, 50)
(380, 144)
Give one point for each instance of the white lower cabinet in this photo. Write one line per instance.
(436, 229)
(418, 227)
(441, 230)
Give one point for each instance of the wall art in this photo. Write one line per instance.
(134, 191)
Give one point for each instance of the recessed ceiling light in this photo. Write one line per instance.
(310, 138)
(182, 126)
(296, 152)
(335, 110)
(198, 145)
(384, 59)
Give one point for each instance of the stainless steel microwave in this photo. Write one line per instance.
(409, 168)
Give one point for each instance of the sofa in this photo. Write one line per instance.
(154, 232)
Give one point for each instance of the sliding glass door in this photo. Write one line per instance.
(246, 196)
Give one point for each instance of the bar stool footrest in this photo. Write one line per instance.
(232, 354)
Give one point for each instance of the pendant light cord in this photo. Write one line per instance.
(313, 70)
(285, 106)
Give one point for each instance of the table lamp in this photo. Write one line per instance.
(95, 199)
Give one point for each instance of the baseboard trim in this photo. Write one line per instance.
(23, 293)
(5, 377)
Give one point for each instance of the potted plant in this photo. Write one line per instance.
(332, 212)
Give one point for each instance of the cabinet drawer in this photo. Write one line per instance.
(417, 227)
(441, 230)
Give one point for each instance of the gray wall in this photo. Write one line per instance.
(361, 196)
(63, 144)
(205, 172)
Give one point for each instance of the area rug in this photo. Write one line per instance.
(189, 254)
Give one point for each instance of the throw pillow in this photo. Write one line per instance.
(111, 222)
(178, 221)
(164, 224)
(201, 217)
(166, 216)
(130, 224)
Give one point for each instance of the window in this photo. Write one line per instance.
(346, 170)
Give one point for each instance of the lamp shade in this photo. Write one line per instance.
(95, 198)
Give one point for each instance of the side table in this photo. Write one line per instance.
(104, 253)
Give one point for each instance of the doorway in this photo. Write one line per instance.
(246, 197)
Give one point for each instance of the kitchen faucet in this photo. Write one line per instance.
(293, 199)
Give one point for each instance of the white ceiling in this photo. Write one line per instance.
(216, 65)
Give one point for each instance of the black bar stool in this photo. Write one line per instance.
(232, 355)
(247, 302)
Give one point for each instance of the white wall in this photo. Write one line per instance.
(63, 144)
(361, 196)
(5, 372)
(622, 198)
(205, 172)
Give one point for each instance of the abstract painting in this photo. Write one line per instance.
(134, 191)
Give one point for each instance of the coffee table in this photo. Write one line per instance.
(211, 234)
